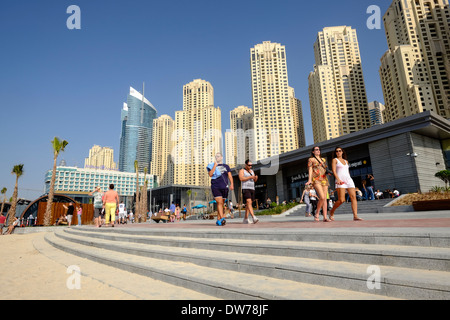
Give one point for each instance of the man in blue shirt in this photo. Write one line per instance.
(220, 175)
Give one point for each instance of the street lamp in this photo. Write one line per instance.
(412, 155)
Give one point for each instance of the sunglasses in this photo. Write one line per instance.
(339, 151)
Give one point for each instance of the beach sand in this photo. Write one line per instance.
(34, 270)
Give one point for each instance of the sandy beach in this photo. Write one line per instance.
(33, 270)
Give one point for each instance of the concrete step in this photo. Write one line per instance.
(375, 206)
(372, 254)
(214, 281)
(330, 266)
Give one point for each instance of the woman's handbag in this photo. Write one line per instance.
(329, 172)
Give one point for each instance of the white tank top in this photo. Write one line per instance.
(343, 171)
(249, 184)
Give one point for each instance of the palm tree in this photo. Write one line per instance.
(4, 199)
(144, 200)
(18, 171)
(136, 203)
(58, 145)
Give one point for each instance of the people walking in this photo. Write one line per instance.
(313, 199)
(2, 222)
(344, 181)
(79, 213)
(122, 213)
(69, 214)
(306, 200)
(369, 187)
(220, 174)
(317, 169)
(248, 179)
(111, 202)
(98, 206)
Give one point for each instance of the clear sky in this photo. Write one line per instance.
(72, 83)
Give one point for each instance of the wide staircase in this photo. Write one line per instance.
(274, 264)
(375, 206)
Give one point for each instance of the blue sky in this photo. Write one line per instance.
(72, 83)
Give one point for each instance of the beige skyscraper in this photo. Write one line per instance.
(337, 93)
(239, 139)
(297, 116)
(162, 164)
(100, 158)
(273, 123)
(198, 134)
(415, 71)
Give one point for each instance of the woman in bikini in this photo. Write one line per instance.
(344, 182)
(318, 178)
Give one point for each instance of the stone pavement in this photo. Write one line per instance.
(279, 258)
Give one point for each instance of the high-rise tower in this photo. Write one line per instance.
(415, 71)
(273, 123)
(198, 134)
(162, 163)
(338, 98)
(137, 126)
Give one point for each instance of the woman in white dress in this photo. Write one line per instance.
(344, 182)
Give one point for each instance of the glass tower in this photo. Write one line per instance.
(137, 128)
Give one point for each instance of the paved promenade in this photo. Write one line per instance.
(402, 222)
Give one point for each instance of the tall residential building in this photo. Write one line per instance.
(337, 92)
(376, 113)
(273, 122)
(162, 164)
(415, 71)
(239, 139)
(100, 159)
(198, 134)
(297, 115)
(137, 128)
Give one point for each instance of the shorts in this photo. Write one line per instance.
(220, 193)
(69, 219)
(97, 212)
(248, 194)
(122, 215)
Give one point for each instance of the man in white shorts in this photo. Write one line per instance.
(122, 213)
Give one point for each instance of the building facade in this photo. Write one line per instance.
(100, 158)
(72, 180)
(273, 122)
(137, 129)
(415, 71)
(239, 139)
(162, 163)
(297, 116)
(376, 111)
(198, 134)
(337, 93)
(383, 151)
